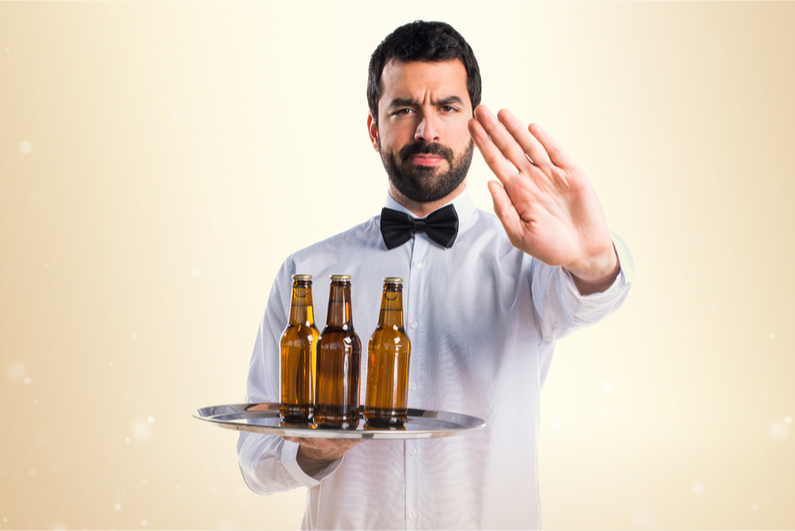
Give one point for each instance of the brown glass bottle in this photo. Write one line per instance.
(298, 351)
(386, 393)
(338, 362)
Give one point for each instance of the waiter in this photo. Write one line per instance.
(486, 297)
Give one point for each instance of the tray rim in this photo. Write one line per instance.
(271, 409)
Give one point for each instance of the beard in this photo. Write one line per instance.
(425, 184)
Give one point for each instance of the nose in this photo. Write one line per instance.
(428, 129)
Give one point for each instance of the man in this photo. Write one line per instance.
(483, 311)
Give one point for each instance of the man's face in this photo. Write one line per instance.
(422, 131)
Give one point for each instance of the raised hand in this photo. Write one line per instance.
(545, 202)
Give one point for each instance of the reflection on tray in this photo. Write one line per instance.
(367, 427)
(299, 425)
(263, 407)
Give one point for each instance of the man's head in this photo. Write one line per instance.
(430, 42)
(423, 86)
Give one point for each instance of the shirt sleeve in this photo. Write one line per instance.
(268, 462)
(561, 309)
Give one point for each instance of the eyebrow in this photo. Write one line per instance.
(410, 102)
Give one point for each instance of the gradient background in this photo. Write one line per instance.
(159, 161)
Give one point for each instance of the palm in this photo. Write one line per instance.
(547, 206)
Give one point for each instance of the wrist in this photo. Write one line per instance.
(597, 273)
(311, 465)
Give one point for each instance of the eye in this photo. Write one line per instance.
(404, 111)
(449, 108)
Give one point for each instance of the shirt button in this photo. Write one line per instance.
(413, 324)
(413, 386)
(418, 264)
(412, 451)
(412, 515)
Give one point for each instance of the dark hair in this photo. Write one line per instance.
(434, 42)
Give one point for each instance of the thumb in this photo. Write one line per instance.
(504, 209)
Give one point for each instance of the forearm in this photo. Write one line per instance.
(562, 306)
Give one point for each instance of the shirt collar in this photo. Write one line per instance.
(464, 206)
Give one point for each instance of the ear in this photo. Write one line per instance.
(372, 129)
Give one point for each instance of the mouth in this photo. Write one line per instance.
(426, 159)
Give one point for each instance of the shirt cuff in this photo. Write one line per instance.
(624, 276)
(624, 259)
(290, 463)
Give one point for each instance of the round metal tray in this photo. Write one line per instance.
(264, 418)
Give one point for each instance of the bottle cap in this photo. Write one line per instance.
(340, 278)
(393, 280)
(302, 277)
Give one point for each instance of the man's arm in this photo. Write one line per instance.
(270, 463)
(545, 202)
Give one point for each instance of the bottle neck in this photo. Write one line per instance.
(339, 305)
(391, 315)
(301, 309)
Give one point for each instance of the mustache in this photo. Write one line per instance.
(417, 148)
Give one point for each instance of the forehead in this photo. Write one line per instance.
(420, 79)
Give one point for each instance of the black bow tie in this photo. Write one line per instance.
(441, 226)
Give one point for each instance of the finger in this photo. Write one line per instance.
(502, 168)
(347, 444)
(336, 443)
(505, 210)
(328, 445)
(328, 448)
(530, 144)
(502, 138)
(556, 154)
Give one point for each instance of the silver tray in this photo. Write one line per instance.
(264, 418)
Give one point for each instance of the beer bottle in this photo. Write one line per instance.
(386, 393)
(298, 343)
(338, 362)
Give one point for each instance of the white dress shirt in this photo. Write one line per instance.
(482, 318)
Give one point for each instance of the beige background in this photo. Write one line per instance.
(159, 161)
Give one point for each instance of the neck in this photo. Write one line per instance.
(301, 310)
(339, 306)
(391, 315)
(423, 209)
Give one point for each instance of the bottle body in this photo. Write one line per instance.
(297, 361)
(386, 392)
(338, 362)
